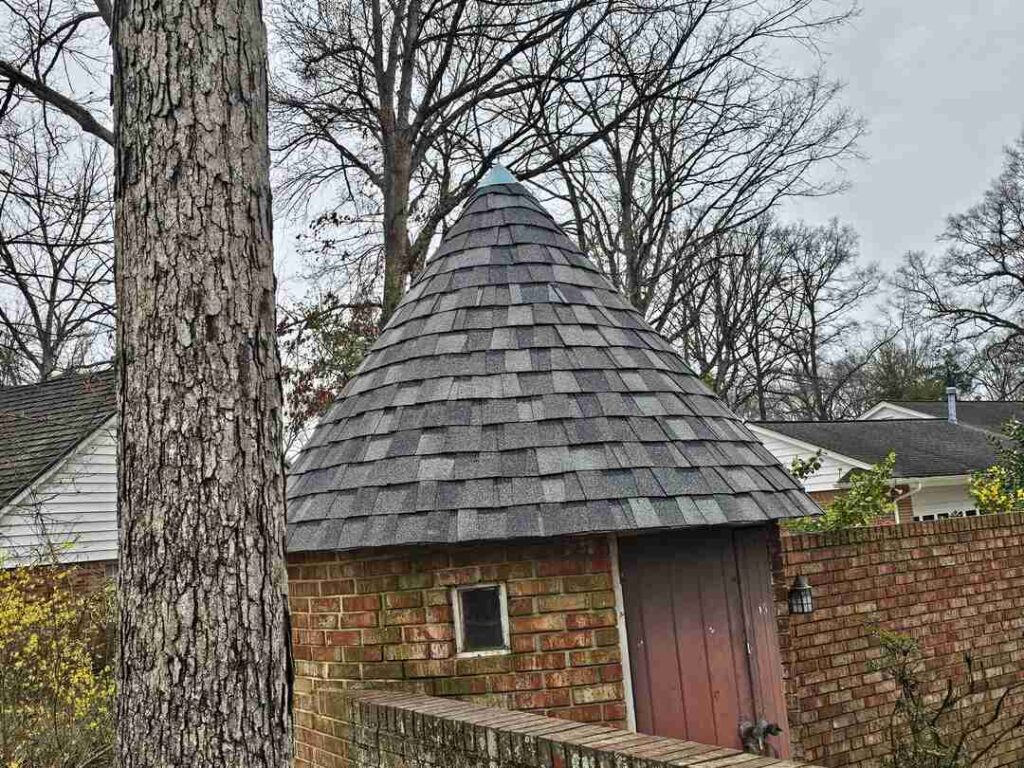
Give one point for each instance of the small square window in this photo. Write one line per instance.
(481, 619)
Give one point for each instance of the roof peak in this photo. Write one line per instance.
(497, 174)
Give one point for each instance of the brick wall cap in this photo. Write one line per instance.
(523, 734)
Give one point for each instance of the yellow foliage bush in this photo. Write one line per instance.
(994, 493)
(1000, 488)
(56, 676)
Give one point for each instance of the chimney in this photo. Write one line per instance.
(951, 404)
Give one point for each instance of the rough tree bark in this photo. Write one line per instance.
(204, 675)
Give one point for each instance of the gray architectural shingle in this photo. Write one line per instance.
(515, 393)
(990, 415)
(923, 447)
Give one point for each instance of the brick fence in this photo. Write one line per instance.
(382, 730)
(955, 585)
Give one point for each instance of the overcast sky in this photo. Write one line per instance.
(941, 83)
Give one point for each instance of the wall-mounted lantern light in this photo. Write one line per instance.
(800, 596)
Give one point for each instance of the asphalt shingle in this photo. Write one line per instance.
(923, 447)
(515, 393)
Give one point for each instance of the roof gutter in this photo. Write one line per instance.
(912, 492)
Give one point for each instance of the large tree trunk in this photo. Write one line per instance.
(204, 674)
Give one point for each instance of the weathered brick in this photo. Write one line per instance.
(592, 582)
(347, 620)
(534, 587)
(360, 603)
(590, 620)
(363, 653)
(430, 668)
(325, 604)
(403, 600)
(566, 640)
(343, 637)
(337, 587)
(594, 656)
(407, 651)
(426, 633)
(483, 665)
(562, 603)
(552, 622)
(542, 699)
(390, 670)
(438, 614)
(572, 677)
(539, 661)
(404, 616)
(517, 681)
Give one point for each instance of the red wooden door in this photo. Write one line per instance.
(700, 619)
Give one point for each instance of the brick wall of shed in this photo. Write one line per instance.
(954, 585)
(384, 619)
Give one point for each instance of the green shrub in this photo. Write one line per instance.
(868, 498)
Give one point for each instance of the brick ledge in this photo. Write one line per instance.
(373, 722)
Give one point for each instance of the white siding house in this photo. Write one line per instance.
(73, 507)
(885, 411)
(934, 457)
(834, 467)
(937, 498)
(58, 471)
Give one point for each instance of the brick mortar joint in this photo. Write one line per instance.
(422, 719)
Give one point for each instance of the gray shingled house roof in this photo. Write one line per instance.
(984, 414)
(41, 423)
(515, 393)
(923, 447)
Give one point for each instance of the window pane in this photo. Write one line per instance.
(481, 619)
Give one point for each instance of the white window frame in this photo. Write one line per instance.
(460, 626)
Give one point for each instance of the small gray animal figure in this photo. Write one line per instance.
(755, 737)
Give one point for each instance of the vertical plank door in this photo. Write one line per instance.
(700, 622)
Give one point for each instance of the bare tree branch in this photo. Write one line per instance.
(81, 115)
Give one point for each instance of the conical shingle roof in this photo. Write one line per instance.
(515, 393)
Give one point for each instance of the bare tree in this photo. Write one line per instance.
(998, 368)
(402, 105)
(56, 253)
(731, 313)
(56, 55)
(731, 135)
(824, 339)
(204, 670)
(770, 316)
(977, 286)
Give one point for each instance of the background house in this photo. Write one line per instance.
(938, 446)
(524, 497)
(58, 469)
